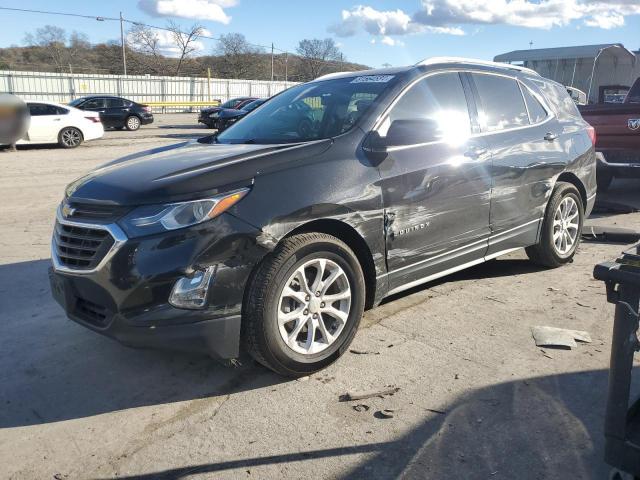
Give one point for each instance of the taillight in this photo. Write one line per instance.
(93, 119)
(592, 134)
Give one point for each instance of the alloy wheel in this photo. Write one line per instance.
(133, 123)
(314, 306)
(71, 137)
(566, 225)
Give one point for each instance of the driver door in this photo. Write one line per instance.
(436, 182)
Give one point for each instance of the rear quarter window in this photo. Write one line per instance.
(559, 100)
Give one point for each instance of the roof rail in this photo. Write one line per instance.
(330, 75)
(473, 61)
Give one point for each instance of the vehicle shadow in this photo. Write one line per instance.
(54, 370)
(544, 427)
(199, 134)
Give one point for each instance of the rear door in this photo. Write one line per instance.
(45, 123)
(526, 153)
(436, 193)
(115, 112)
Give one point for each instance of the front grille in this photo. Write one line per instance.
(81, 248)
(100, 213)
(91, 312)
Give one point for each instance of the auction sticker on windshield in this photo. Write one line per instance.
(372, 79)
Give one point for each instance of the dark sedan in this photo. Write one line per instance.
(116, 112)
(209, 115)
(229, 116)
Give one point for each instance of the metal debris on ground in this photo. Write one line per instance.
(609, 234)
(361, 407)
(558, 337)
(384, 414)
(362, 352)
(350, 396)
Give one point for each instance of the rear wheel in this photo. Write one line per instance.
(561, 228)
(69, 137)
(132, 123)
(304, 304)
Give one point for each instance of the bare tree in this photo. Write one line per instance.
(316, 56)
(52, 38)
(146, 41)
(185, 41)
(239, 57)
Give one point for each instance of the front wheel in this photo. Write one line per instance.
(132, 123)
(69, 137)
(561, 228)
(304, 304)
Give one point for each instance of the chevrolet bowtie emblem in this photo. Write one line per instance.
(67, 210)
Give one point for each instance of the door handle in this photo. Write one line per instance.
(56, 119)
(550, 137)
(475, 152)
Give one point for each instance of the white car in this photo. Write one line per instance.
(55, 123)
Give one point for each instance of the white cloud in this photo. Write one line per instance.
(212, 10)
(392, 42)
(448, 16)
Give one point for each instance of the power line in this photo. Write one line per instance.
(101, 18)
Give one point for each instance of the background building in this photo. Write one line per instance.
(601, 71)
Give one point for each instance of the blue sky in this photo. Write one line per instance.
(372, 32)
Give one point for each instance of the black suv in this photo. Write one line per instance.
(276, 234)
(116, 112)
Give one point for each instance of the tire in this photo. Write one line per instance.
(265, 335)
(604, 179)
(70, 137)
(132, 123)
(547, 252)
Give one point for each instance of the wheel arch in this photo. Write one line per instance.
(354, 241)
(573, 179)
(70, 126)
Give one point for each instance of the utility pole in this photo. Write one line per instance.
(286, 67)
(272, 61)
(124, 55)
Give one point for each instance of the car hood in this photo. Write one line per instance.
(232, 113)
(186, 171)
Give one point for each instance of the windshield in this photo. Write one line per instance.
(311, 111)
(76, 102)
(231, 103)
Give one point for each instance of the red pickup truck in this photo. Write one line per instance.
(617, 128)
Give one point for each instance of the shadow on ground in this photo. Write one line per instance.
(542, 428)
(54, 370)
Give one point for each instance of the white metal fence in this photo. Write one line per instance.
(64, 87)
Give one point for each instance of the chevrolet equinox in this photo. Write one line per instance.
(274, 235)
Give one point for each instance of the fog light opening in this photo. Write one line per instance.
(191, 292)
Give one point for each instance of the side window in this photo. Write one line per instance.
(114, 103)
(41, 109)
(565, 108)
(61, 111)
(537, 113)
(501, 101)
(94, 103)
(436, 104)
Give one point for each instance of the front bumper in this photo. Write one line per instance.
(126, 297)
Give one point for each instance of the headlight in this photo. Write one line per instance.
(151, 219)
(214, 115)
